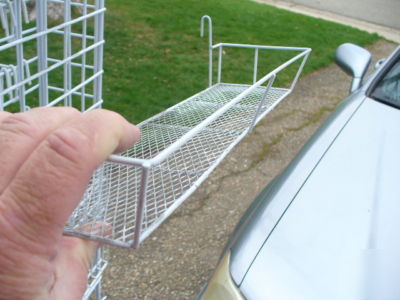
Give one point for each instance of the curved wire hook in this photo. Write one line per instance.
(210, 44)
(208, 18)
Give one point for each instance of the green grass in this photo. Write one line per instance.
(155, 58)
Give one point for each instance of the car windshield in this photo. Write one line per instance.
(388, 89)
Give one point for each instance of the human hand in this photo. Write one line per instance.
(47, 156)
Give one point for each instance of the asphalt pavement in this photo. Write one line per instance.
(382, 12)
(375, 16)
(179, 257)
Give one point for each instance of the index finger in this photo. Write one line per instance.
(51, 183)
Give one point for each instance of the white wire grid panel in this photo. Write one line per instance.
(110, 204)
(46, 62)
(51, 62)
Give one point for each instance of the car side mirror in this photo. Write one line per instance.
(355, 61)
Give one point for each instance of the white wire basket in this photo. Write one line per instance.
(131, 194)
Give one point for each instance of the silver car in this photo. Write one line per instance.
(328, 226)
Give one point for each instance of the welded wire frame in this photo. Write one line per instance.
(95, 275)
(133, 193)
(51, 63)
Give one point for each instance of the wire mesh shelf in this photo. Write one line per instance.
(132, 193)
(112, 205)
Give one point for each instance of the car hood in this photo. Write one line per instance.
(338, 238)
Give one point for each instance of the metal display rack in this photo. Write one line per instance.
(132, 193)
(60, 63)
(48, 62)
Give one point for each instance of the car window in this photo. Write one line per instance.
(388, 88)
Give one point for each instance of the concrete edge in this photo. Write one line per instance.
(388, 33)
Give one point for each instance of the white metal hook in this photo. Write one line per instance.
(8, 79)
(3, 18)
(208, 18)
(25, 11)
(210, 44)
(11, 11)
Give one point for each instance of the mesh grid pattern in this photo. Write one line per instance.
(32, 73)
(108, 211)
